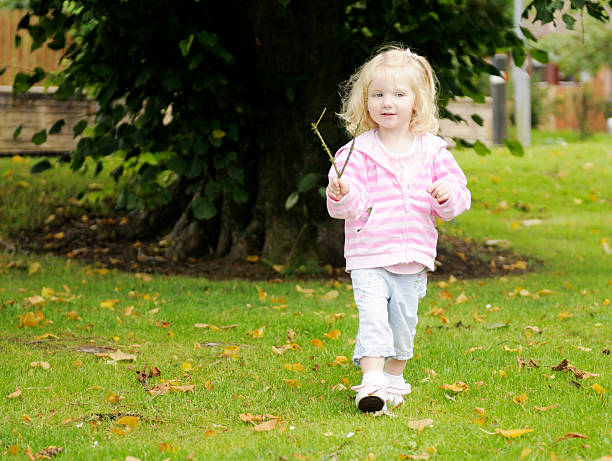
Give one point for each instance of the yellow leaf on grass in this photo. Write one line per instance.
(421, 456)
(525, 452)
(47, 292)
(317, 343)
(31, 319)
(113, 398)
(513, 433)
(479, 410)
(420, 424)
(599, 389)
(258, 333)
(280, 350)
(33, 268)
(292, 382)
(186, 366)
(35, 301)
(43, 365)
(333, 334)
(159, 389)
(131, 421)
(27, 418)
(267, 426)
(340, 359)
(298, 367)
(461, 298)
(210, 433)
(473, 349)
(519, 399)
(305, 291)
(547, 408)
(457, 387)
(330, 295)
(185, 388)
(14, 395)
(513, 349)
(46, 336)
(564, 315)
(231, 351)
(165, 446)
(119, 356)
(109, 304)
(262, 294)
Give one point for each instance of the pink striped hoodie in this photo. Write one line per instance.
(389, 223)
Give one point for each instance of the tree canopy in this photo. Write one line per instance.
(208, 104)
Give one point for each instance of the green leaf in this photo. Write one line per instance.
(185, 45)
(203, 208)
(539, 55)
(292, 200)
(22, 82)
(515, 147)
(3, 70)
(79, 127)
(17, 132)
(240, 195)
(480, 148)
(307, 182)
(518, 54)
(41, 166)
(207, 39)
(527, 34)
(178, 165)
(478, 119)
(39, 137)
(57, 127)
(569, 21)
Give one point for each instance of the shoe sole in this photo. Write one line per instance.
(370, 404)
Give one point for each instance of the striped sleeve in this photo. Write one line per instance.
(445, 168)
(353, 204)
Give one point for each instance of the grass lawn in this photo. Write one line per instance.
(269, 360)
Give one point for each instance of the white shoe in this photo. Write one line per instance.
(370, 397)
(396, 392)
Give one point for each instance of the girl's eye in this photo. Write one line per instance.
(399, 94)
(378, 95)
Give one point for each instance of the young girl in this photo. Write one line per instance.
(398, 179)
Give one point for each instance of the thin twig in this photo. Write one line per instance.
(297, 239)
(315, 127)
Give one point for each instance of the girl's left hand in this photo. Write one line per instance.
(440, 190)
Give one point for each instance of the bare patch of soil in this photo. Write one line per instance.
(97, 241)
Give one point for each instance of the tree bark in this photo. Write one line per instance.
(293, 44)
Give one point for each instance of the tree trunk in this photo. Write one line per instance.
(293, 44)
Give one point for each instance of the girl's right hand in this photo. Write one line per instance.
(337, 188)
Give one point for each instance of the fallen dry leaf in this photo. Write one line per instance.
(340, 359)
(266, 426)
(317, 343)
(185, 388)
(258, 333)
(14, 395)
(333, 334)
(547, 408)
(43, 365)
(159, 389)
(131, 421)
(513, 433)
(31, 319)
(298, 367)
(420, 424)
(580, 374)
(292, 382)
(599, 389)
(119, 356)
(330, 295)
(49, 452)
(519, 399)
(457, 387)
(113, 398)
(572, 435)
(231, 351)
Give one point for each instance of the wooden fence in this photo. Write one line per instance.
(21, 59)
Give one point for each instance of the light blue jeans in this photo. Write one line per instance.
(388, 305)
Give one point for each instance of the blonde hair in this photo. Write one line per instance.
(423, 85)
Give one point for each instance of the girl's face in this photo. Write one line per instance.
(391, 100)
